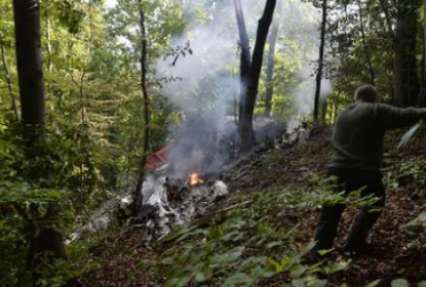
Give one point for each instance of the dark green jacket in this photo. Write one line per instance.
(359, 133)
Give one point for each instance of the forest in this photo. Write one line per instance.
(212, 143)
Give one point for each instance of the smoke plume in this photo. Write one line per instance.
(206, 83)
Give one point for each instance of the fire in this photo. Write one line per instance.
(195, 179)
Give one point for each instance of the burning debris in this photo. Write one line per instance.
(195, 179)
(186, 181)
(184, 178)
(172, 201)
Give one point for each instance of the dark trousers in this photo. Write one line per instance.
(351, 180)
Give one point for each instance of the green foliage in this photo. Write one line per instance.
(400, 283)
(412, 171)
(91, 143)
(373, 283)
(416, 228)
(418, 222)
(30, 189)
(242, 245)
(61, 271)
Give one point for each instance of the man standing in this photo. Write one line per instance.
(357, 139)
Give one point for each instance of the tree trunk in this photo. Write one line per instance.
(249, 101)
(271, 62)
(324, 108)
(385, 8)
(9, 84)
(30, 75)
(320, 62)
(367, 53)
(245, 61)
(406, 85)
(422, 97)
(29, 62)
(146, 100)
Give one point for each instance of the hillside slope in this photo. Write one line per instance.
(258, 235)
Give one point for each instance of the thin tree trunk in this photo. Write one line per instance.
(271, 62)
(48, 44)
(246, 118)
(8, 79)
(82, 100)
(324, 108)
(334, 113)
(320, 62)
(146, 134)
(236, 103)
(366, 48)
(385, 9)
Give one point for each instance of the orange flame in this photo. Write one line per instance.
(195, 179)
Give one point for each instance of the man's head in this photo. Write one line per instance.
(366, 93)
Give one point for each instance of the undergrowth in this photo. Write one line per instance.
(241, 245)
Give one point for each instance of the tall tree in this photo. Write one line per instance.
(422, 97)
(272, 41)
(403, 15)
(320, 62)
(405, 62)
(30, 75)
(245, 58)
(144, 90)
(28, 56)
(251, 70)
(367, 52)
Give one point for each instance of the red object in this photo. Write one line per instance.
(157, 159)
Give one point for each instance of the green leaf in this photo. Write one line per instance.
(421, 284)
(287, 262)
(325, 251)
(409, 134)
(298, 283)
(228, 257)
(373, 283)
(308, 248)
(297, 271)
(178, 282)
(419, 221)
(253, 261)
(336, 267)
(273, 244)
(317, 283)
(200, 276)
(237, 279)
(276, 265)
(400, 283)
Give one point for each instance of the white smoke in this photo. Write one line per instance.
(206, 82)
(300, 23)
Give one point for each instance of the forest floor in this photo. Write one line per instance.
(269, 219)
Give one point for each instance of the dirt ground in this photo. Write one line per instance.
(393, 253)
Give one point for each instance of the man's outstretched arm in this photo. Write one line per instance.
(391, 117)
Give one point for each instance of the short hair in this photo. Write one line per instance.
(366, 93)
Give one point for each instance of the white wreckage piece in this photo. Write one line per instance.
(299, 135)
(103, 217)
(162, 214)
